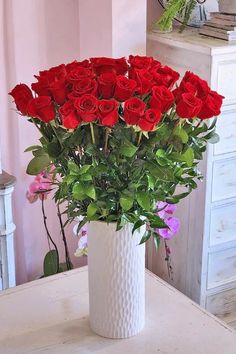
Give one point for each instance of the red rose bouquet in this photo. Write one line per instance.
(121, 136)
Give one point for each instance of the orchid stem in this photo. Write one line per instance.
(92, 133)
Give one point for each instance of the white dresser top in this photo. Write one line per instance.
(190, 39)
(51, 316)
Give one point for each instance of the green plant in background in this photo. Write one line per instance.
(182, 8)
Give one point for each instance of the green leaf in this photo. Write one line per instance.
(128, 149)
(126, 202)
(85, 177)
(38, 164)
(160, 172)
(151, 182)
(122, 221)
(181, 133)
(146, 237)
(157, 241)
(144, 200)
(84, 169)
(51, 263)
(138, 224)
(54, 149)
(157, 223)
(78, 191)
(91, 210)
(73, 168)
(33, 148)
(187, 156)
(214, 139)
(89, 190)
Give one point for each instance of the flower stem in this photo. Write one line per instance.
(67, 255)
(92, 133)
(48, 233)
(140, 137)
(106, 140)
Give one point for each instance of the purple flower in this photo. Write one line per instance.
(173, 224)
(168, 209)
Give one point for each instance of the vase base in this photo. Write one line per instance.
(119, 334)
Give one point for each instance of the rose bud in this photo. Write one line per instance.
(22, 95)
(42, 108)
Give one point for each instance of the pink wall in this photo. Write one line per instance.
(34, 35)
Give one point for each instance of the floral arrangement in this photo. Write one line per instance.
(121, 135)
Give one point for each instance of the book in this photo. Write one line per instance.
(219, 35)
(217, 29)
(222, 16)
(224, 27)
(219, 21)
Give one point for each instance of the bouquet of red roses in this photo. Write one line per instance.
(120, 134)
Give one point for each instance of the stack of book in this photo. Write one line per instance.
(220, 25)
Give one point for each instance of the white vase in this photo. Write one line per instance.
(227, 6)
(116, 264)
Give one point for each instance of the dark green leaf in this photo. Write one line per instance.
(38, 164)
(51, 263)
(138, 224)
(128, 149)
(146, 237)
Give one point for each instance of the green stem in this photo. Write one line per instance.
(140, 137)
(106, 140)
(92, 133)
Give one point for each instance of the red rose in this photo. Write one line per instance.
(22, 95)
(139, 62)
(164, 76)
(144, 81)
(42, 108)
(124, 88)
(108, 112)
(193, 83)
(106, 85)
(46, 78)
(109, 65)
(87, 106)
(133, 110)
(121, 66)
(76, 64)
(85, 86)
(59, 91)
(162, 98)
(211, 105)
(188, 106)
(69, 115)
(149, 120)
(78, 74)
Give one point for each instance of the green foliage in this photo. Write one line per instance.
(121, 180)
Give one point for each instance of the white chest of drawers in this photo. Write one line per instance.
(204, 252)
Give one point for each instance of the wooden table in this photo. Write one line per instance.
(51, 316)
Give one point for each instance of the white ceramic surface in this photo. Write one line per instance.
(116, 280)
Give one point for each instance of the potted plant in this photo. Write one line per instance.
(121, 136)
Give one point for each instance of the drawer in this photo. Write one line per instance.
(227, 79)
(224, 179)
(223, 224)
(226, 128)
(221, 267)
(222, 303)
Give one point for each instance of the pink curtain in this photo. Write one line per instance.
(33, 35)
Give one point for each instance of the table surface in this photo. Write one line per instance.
(51, 316)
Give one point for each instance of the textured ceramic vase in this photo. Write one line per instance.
(116, 265)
